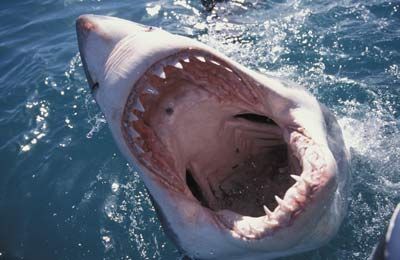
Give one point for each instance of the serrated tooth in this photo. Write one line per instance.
(159, 72)
(228, 69)
(132, 117)
(304, 188)
(292, 193)
(279, 200)
(138, 105)
(133, 133)
(200, 58)
(150, 90)
(297, 178)
(283, 204)
(185, 58)
(177, 64)
(267, 211)
(215, 62)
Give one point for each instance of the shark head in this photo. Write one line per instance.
(238, 164)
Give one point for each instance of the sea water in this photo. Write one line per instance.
(67, 193)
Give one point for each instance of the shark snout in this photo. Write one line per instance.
(94, 47)
(97, 36)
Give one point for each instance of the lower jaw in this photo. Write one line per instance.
(240, 213)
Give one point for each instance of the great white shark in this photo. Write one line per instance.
(239, 165)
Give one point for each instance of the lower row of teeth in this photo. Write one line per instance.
(297, 194)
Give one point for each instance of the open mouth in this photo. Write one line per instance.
(203, 129)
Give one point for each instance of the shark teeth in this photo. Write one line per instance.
(138, 105)
(133, 133)
(303, 185)
(267, 211)
(228, 69)
(176, 64)
(185, 58)
(294, 197)
(288, 206)
(179, 62)
(159, 72)
(138, 149)
(132, 117)
(215, 62)
(200, 58)
(283, 204)
(297, 178)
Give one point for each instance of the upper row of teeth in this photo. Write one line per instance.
(305, 182)
(282, 214)
(177, 63)
(303, 187)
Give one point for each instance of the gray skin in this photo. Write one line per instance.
(239, 165)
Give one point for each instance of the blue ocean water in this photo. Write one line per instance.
(67, 193)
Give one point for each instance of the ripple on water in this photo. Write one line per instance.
(64, 177)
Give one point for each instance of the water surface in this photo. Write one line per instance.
(67, 193)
